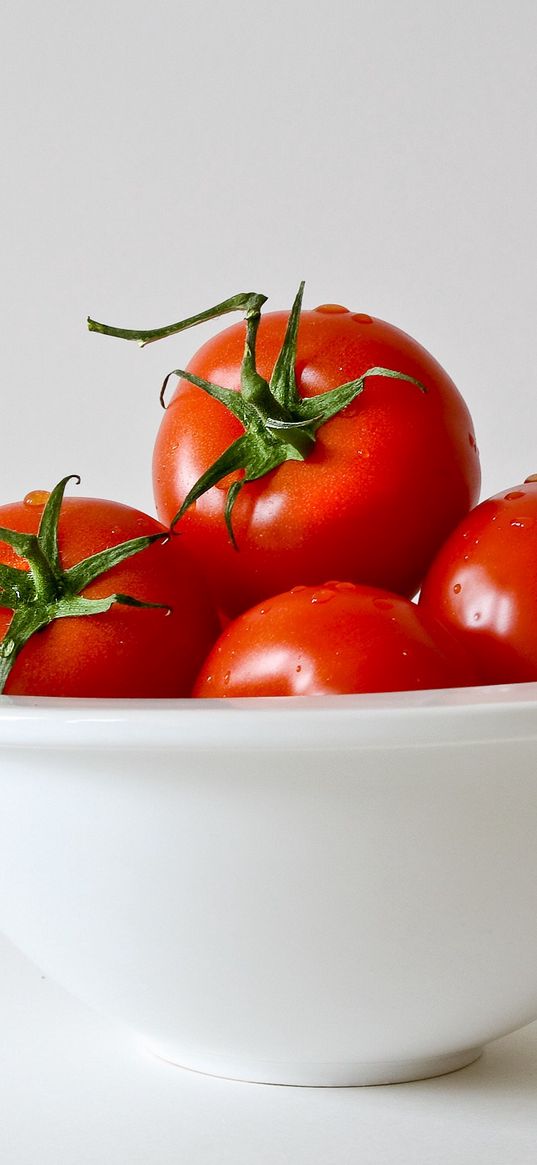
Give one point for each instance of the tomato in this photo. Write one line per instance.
(483, 585)
(375, 496)
(336, 638)
(124, 651)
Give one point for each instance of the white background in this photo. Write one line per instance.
(160, 157)
(157, 158)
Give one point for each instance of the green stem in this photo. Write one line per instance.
(46, 581)
(247, 301)
(25, 622)
(279, 424)
(45, 592)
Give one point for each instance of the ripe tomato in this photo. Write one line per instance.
(124, 651)
(340, 637)
(483, 585)
(385, 482)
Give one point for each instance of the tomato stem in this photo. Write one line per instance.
(279, 424)
(250, 302)
(46, 591)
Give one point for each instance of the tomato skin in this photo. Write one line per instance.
(337, 638)
(127, 651)
(387, 480)
(483, 585)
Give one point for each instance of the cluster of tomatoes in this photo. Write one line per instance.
(313, 471)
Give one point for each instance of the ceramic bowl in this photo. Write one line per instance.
(317, 891)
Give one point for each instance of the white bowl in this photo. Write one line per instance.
(300, 891)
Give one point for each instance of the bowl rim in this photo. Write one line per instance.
(456, 716)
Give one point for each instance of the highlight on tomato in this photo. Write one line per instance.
(483, 584)
(310, 444)
(97, 600)
(337, 638)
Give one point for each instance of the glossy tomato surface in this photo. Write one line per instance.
(127, 651)
(483, 585)
(388, 478)
(336, 638)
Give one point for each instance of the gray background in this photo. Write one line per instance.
(159, 157)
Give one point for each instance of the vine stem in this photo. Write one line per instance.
(250, 302)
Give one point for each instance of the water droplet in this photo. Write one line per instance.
(362, 317)
(517, 522)
(466, 557)
(263, 610)
(297, 589)
(515, 493)
(404, 653)
(351, 410)
(227, 677)
(37, 497)
(331, 308)
(298, 667)
(344, 586)
(457, 588)
(362, 452)
(477, 616)
(383, 604)
(323, 595)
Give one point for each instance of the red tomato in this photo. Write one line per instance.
(340, 637)
(127, 651)
(386, 481)
(483, 585)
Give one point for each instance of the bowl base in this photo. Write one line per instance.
(322, 1075)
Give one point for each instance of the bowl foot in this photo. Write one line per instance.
(322, 1075)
